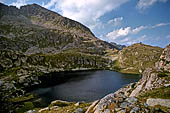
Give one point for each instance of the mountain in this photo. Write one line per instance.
(33, 29)
(136, 58)
(118, 46)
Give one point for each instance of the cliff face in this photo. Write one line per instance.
(164, 61)
(150, 94)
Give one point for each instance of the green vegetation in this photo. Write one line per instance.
(11, 71)
(27, 106)
(163, 92)
(137, 57)
(65, 107)
(60, 104)
(69, 60)
(22, 98)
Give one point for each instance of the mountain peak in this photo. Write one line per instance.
(32, 6)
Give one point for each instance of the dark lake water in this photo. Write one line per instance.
(82, 85)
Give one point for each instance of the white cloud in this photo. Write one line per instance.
(138, 29)
(130, 40)
(137, 40)
(115, 21)
(118, 33)
(143, 4)
(125, 40)
(19, 3)
(87, 12)
(122, 32)
(160, 25)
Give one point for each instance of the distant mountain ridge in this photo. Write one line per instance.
(118, 46)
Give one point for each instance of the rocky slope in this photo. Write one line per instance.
(33, 29)
(150, 94)
(136, 58)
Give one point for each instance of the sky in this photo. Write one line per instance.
(122, 21)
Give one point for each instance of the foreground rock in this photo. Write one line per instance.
(162, 102)
(60, 106)
(118, 102)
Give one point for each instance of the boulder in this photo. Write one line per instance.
(78, 110)
(162, 102)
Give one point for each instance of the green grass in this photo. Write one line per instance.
(66, 107)
(22, 98)
(163, 93)
(137, 57)
(27, 106)
(60, 104)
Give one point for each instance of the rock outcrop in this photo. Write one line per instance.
(162, 102)
(118, 102)
(164, 61)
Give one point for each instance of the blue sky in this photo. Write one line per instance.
(121, 21)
